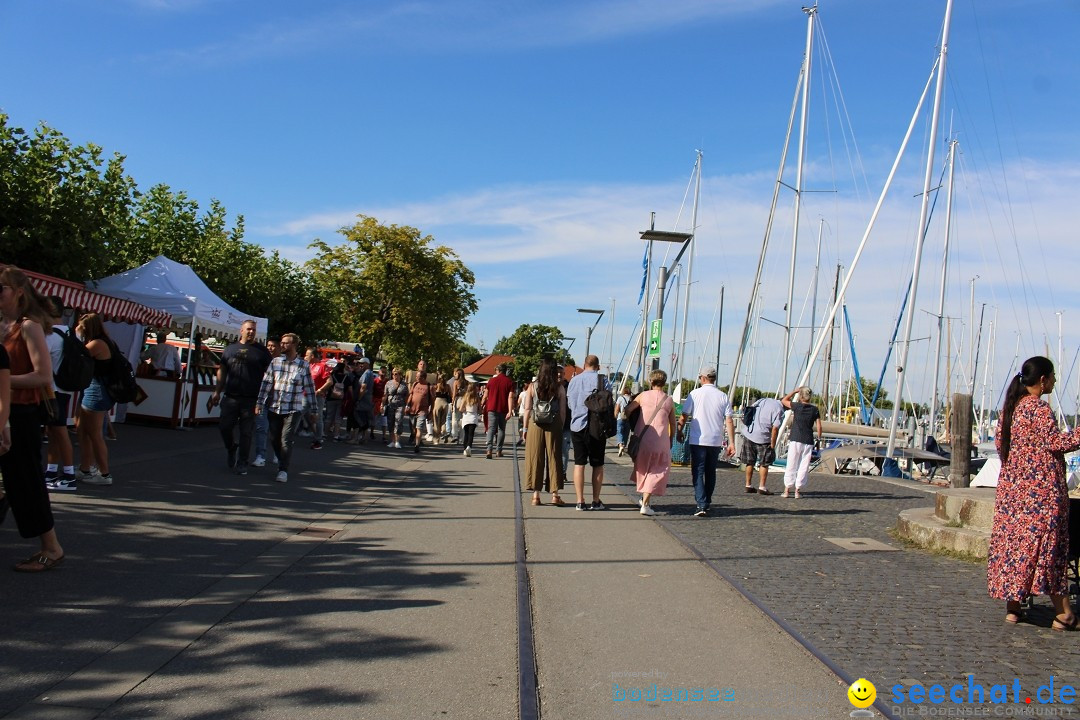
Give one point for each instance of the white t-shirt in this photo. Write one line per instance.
(55, 344)
(708, 407)
(769, 415)
(164, 357)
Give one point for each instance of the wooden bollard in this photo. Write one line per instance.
(960, 461)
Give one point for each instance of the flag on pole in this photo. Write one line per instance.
(644, 273)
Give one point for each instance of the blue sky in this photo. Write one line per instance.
(536, 138)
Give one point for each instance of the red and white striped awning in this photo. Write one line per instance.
(76, 296)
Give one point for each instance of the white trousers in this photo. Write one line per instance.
(798, 464)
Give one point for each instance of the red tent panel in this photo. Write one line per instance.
(76, 296)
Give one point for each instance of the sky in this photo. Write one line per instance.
(536, 139)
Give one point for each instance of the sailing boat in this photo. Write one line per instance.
(938, 73)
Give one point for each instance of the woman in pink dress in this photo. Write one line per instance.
(655, 428)
(1029, 542)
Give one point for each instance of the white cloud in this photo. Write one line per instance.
(540, 252)
(439, 27)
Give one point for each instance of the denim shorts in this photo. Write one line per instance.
(96, 398)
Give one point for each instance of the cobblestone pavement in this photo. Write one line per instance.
(893, 617)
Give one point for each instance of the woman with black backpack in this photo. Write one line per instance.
(545, 415)
(96, 401)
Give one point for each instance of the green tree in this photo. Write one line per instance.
(396, 291)
(463, 356)
(62, 206)
(868, 388)
(529, 344)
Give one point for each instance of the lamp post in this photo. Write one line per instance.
(661, 284)
(589, 329)
(566, 350)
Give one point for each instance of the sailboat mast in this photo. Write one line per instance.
(928, 179)
(811, 14)
(689, 271)
(934, 401)
(828, 351)
(813, 304)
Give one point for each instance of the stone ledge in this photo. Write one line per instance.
(922, 527)
(968, 507)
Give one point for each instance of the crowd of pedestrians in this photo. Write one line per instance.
(268, 392)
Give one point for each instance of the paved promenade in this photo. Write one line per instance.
(381, 584)
(891, 615)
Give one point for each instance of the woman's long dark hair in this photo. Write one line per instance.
(547, 380)
(1031, 372)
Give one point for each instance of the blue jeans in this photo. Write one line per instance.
(262, 427)
(703, 466)
(566, 445)
(622, 430)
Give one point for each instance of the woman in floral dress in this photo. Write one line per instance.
(1029, 543)
(654, 427)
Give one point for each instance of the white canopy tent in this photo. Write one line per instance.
(167, 285)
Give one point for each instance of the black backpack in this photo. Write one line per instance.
(76, 367)
(601, 406)
(120, 382)
(748, 415)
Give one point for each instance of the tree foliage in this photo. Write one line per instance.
(529, 344)
(68, 212)
(396, 291)
(62, 206)
(851, 391)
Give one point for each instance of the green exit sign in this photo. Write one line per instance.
(654, 338)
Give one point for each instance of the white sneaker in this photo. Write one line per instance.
(396, 445)
(465, 452)
(97, 479)
(259, 461)
(429, 439)
(83, 475)
(647, 510)
(468, 452)
(282, 476)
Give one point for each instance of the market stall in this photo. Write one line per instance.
(125, 320)
(176, 289)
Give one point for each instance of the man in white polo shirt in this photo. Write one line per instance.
(709, 413)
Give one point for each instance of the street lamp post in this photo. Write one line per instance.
(653, 235)
(589, 329)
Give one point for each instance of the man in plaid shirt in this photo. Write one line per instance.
(285, 393)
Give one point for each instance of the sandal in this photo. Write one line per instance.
(1014, 618)
(38, 562)
(1063, 626)
(536, 501)
(557, 501)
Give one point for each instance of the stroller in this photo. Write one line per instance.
(1072, 566)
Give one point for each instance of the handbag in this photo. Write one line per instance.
(634, 446)
(48, 406)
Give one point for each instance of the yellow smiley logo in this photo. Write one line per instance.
(862, 693)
